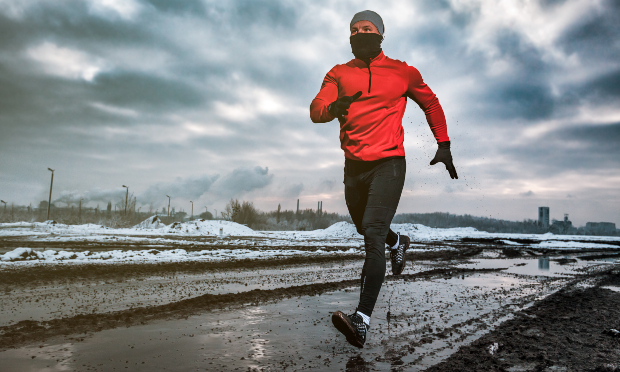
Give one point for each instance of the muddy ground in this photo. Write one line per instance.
(545, 310)
(575, 329)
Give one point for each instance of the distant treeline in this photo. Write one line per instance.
(492, 225)
(244, 212)
(76, 215)
(447, 220)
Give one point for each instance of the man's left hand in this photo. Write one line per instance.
(443, 155)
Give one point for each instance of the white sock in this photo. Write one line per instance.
(397, 240)
(365, 317)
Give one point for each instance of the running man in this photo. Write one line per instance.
(368, 95)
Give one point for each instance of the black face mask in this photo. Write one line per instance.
(366, 45)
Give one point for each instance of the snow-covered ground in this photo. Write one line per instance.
(150, 226)
(245, 243)
(154, 255)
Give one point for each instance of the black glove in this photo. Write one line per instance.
(443, 155)
(340, 106)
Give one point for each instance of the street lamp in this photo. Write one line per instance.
(80, 211)
(168, 206)
(2, 201)
(192, 217)
(126, 196)
(49, 203)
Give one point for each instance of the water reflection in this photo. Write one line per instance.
(543, 263)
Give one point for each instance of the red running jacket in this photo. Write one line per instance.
(373, 129)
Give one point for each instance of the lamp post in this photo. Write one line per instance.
(126, 196)
(168, 206)
(2, 201)
(80, 211)
(49, 203)
(192, 217)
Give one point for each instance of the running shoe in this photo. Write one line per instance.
(352, 326)
(398, 254)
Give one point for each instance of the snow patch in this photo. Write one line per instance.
(211, 227)
(168, 255)
(571, 245)
(150, 223)
(509, 242)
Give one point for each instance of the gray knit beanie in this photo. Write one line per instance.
(368, 15)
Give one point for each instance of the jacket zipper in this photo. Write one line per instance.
(369, 78)
(369, 73)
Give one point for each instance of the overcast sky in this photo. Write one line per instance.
(209, 100)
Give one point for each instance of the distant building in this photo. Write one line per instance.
(543, 216)
(601, 227)
(561, 227)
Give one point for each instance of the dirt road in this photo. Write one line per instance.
(275, 314)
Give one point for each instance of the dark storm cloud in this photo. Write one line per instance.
(191, 7)
(583, 147)
(593, 36)
(525, 92)
(522, 54)
(603, 138)
(457, 18)
(188, 188)
(51, 103)
(605, 87)
(141, 90)
(524, 99)
(75, 25)
(551, 3)
(265, 13)
(243, 180)
(72, 23)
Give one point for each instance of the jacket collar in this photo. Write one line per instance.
(373, 61)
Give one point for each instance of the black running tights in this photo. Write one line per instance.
(372, 192)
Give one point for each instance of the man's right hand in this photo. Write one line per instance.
(339, 107)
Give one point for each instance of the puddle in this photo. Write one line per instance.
(67, 299)
(542, 266)
(86, 297)
(427, 321)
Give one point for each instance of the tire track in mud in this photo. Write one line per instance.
(43, 273)
(28, 331)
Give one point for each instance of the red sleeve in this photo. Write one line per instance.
(327, 95)
(428, 102)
